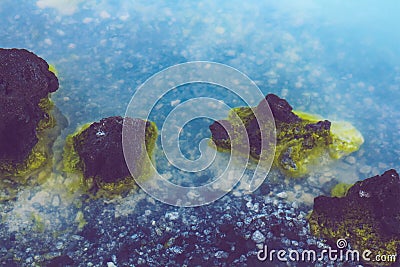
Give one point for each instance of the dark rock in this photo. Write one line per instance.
(19, 119)
(299, 142)
(276, 230)
(219, 131)
(61, 261)
(90, 233)
(27, 122)
(254, 134)
(369, 215)
(319, 126)
(264, 189)
(281, 110)
(24, 81)
(100, 153)
(100, 148)
(24, 75)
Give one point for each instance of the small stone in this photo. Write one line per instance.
(43, 175)
(172, 215)
(249, 205)
(176, 250)
(351, 160)
(237, 193)
(221, 254)
(282, 195)
(324, 179)
(297, 188)
(111, 264)
(56, 201)
(258, 237)
(59, 245)
(159, 232)
(175, 102)
(147, 212)
(320, 244)
(365, 169)
(256, 207)
(382, 165)
(307, 198)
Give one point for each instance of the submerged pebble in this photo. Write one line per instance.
(258, 237)
(365, 169)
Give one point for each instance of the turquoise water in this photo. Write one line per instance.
(339, 59)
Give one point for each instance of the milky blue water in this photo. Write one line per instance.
(337, 58)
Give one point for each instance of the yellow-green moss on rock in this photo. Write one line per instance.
(346, 138)
(368, 216)
(27, 123)
(302, 139)
(95, 152)
(340, 190)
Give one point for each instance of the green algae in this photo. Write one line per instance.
(94, 185)
(366, 214)
(303, 140)
(72, 162)
(346, 139)
(340, 190)
(19, 174)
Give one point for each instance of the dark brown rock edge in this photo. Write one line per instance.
(368, 215)
(24, 81)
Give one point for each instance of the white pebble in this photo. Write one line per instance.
(351, 160)
(175, 102)
(365, 169)
(56, 201)
(172, 215)
(258, 237)
(282, 195)
(87, 20)
(104, 14)
(48, 41)
(219, 30)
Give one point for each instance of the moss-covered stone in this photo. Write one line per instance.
(26, 120)
(345, 137)
(368, 216)
(340, 190)
(95, 152)
(301, 138)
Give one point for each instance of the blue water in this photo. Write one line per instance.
(339, 59)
